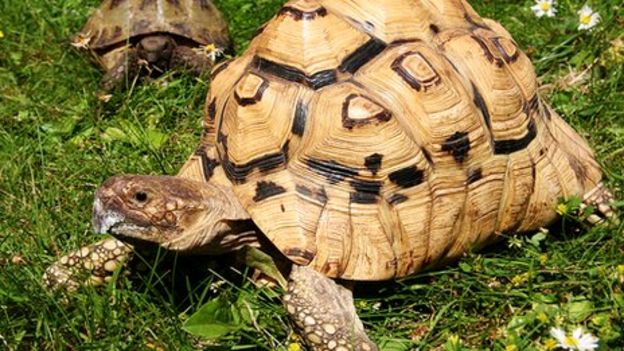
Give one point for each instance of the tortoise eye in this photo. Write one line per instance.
(140, 196)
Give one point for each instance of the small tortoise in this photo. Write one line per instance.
(123, 35)
(366, 140)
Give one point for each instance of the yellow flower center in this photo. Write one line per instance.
(545, 6)
(586, 19)
(550, 344)
(571, 341)
(294, 347)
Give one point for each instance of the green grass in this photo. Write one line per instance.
(57, 143)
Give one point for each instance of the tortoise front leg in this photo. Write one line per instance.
(93, 264)
(324, 313)
(196, 61)
(119, 64)
(601, 200)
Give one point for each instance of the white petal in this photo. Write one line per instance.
(577, 333)
(588, 342)
(558, 334)
(585, 11)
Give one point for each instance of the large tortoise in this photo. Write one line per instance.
(366, 141)
(161, 34)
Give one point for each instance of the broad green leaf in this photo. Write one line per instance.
(263, 262)
(580, 310)
(213, 320)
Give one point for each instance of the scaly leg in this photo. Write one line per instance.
(601, 199)
(324, 313)
(193, 60)
(96, 263)
(125, 63)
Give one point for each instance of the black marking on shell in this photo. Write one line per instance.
(292, 74)
(402, 41)
(475, 175)
(246, 101)
(408, 177)
(182, 28)
(115, 3)
(299, 15)
(474, 23)
(350, 123)
(117, 32)
(145, 3)
(427, 155)
(457, 145)
(305, 254)
(204, 4)
(258, 31)
(140, 26)
(435, 29)
(238, 173)
(579, 170)
(301, 116)
(506, 147)
(332, 170)
(362, 55)
(219, 68)
(366, 192)
(208, 164)
(212, 109)
(415, 83)
(319, 195)
(508, 58)
(265, 190)
(373, 163)
(534, 104)
(396, 199)
(480, 103)
(487, 53)
(547, 112)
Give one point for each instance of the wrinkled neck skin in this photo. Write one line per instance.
(223, 237)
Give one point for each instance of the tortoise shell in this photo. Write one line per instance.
(117, 21)
(374, 139)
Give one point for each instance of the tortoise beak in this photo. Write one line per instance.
(104, 220)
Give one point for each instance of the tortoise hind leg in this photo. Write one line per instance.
(324, 313)
(96, 262)
(601, 199)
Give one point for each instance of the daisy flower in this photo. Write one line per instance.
(544, 8)
(588, 18)
(211, 51)
(577, 341)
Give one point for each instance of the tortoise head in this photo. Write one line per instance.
(156, 49)
(176, 213)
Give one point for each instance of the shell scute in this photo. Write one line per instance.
(116, 21)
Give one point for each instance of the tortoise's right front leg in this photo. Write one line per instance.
(324, 313)
(93, 264)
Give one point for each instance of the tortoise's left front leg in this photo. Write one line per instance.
(92, 264)
(324, 313)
